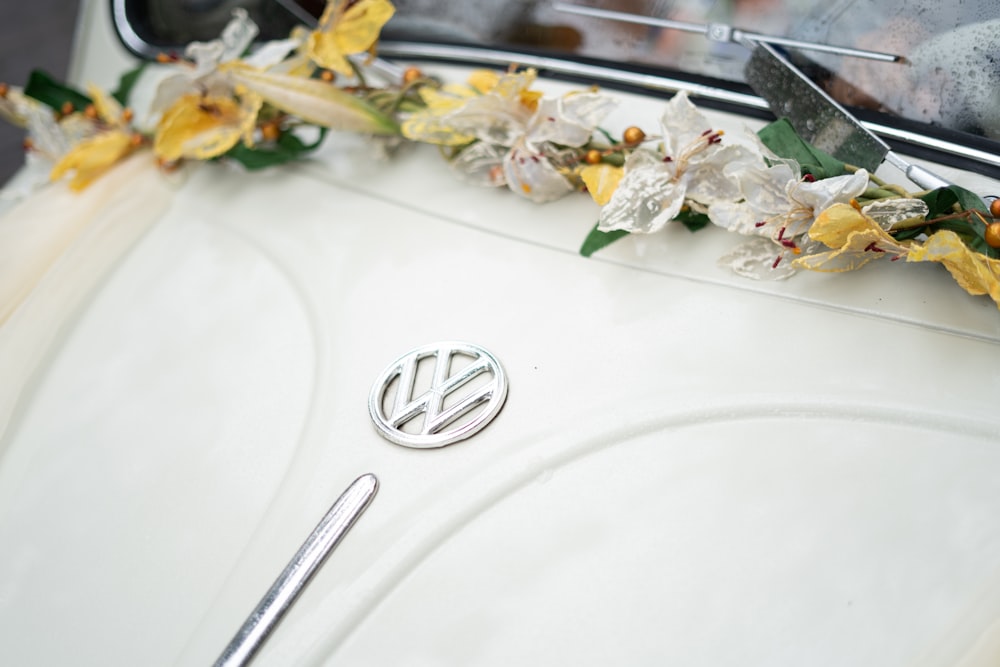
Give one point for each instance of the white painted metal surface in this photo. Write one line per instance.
(690, 468)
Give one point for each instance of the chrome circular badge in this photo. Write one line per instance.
(437, 395)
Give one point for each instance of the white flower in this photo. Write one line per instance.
(200, 71)
(205, 68)
(655, 187)
(50, 137)
(532, 166)
(519, 139)
(778, 205)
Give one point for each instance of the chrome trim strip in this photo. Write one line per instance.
(505, 58)
(127, 33)
(935, 144)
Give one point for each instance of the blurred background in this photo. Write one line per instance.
(33, 34)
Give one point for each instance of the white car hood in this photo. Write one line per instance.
(690, 468)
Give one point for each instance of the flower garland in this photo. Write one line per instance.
(798, 207)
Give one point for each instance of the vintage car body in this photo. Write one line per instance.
(690, 467)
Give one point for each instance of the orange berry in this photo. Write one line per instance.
(412, 74)
(90, 111)
(993, 235)
(995, 208)
(327, 75)
(633, 135)
(270, 131)
(67, 108)
(4, 89)
(593, 156)
(128, 114)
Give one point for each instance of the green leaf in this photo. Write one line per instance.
(940, 202)
(968, 200)
(785, 142)
(597, 239)
(126, 83)
(971, 230)
(288, 148)
(693, 221)
(50, 92)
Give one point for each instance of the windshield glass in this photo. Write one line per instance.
(947, 77)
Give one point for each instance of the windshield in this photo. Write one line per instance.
(947, 77)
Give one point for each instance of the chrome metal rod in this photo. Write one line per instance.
(321, 541)
(722, 32)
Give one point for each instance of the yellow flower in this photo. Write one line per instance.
(484, 80)
(433, 123)
(976, 273)
(345, 29)
(202, 127)
(856, 239)
(493, 108)
(601, 180)
(92, 155)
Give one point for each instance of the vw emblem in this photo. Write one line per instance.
(460, 388)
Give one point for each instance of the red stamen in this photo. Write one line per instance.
(781, 233)
(776, 262)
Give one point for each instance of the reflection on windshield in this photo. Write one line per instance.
(952, 49)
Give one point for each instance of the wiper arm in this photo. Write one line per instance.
(721, 32)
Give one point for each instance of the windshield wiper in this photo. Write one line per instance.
(721, 32)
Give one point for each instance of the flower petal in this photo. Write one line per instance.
(821, 194)
(533, 176)
(108, 109)
(316, 101)
(976, 273)
(601, 180)
(92, 157)
(706, 181)
(889, 212)
(758, 258)
(434, 124)
(738, 217)
(569, 120)
(856, 239)
(682, 123)
(345, 29)
(204, 127)
(481, 164)
(646, 198)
